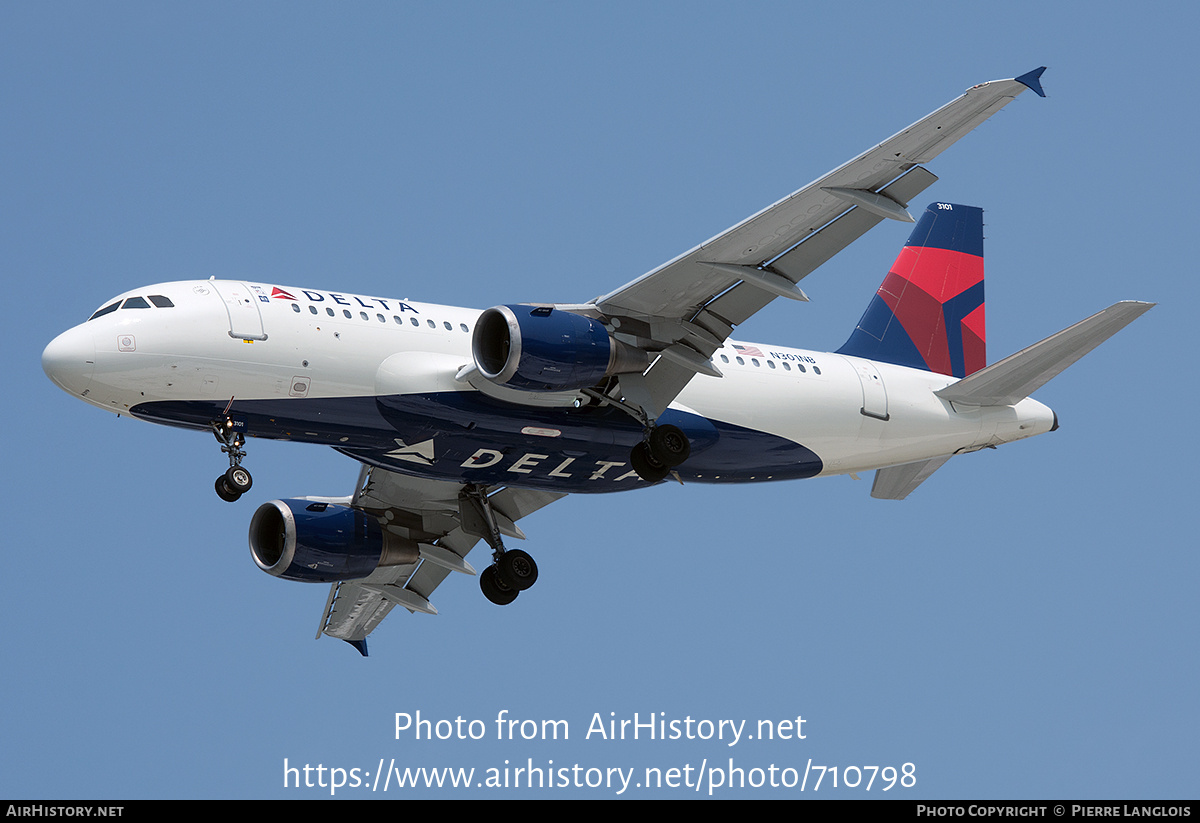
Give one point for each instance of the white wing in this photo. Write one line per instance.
(427, 512)
(686, 308)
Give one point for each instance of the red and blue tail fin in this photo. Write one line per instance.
(928, 314)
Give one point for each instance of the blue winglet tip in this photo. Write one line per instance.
(361, 645)
(1033, 80)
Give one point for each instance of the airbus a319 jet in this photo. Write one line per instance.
(467, 421)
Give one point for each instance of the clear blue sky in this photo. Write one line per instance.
(1023, 626)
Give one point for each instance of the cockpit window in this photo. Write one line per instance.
(161, 301)
(135, 303)
(111, 307)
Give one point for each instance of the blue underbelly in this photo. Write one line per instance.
(469, 437)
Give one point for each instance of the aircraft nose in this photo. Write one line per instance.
(70, 359)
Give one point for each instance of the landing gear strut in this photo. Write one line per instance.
(662, 448)
(512, 570)
(237, 480)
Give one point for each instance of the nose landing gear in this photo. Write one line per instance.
(236, 481)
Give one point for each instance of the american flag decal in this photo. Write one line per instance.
(749, 351)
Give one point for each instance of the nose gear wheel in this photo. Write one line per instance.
(236, 481)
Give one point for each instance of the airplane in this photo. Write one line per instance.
(465, 421)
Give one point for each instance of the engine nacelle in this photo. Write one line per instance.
(543, 349)
(317, 542)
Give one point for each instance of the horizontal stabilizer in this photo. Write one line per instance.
(898, 482)
(1016, 377)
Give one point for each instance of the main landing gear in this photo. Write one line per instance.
(236, 481)
(664, 448)
(512, 570)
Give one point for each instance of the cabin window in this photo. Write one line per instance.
(296, 308)
(346, 312)
(329, 311)
(724, 359)
(432, 325)
(414, 321)
(312, 309)
(463, 326)
(740, 361)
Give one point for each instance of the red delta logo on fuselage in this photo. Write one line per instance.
(345, 300)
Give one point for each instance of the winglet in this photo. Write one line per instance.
(1033, 80)
(361, 645)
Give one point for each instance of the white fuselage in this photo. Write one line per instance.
(380, 377)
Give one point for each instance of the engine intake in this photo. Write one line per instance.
(543, 349)
(317, 542)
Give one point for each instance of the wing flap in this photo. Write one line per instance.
(353, 612)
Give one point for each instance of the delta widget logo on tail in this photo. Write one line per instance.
(929, 312)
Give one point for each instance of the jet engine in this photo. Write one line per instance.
(544, 349)
(318, 542)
